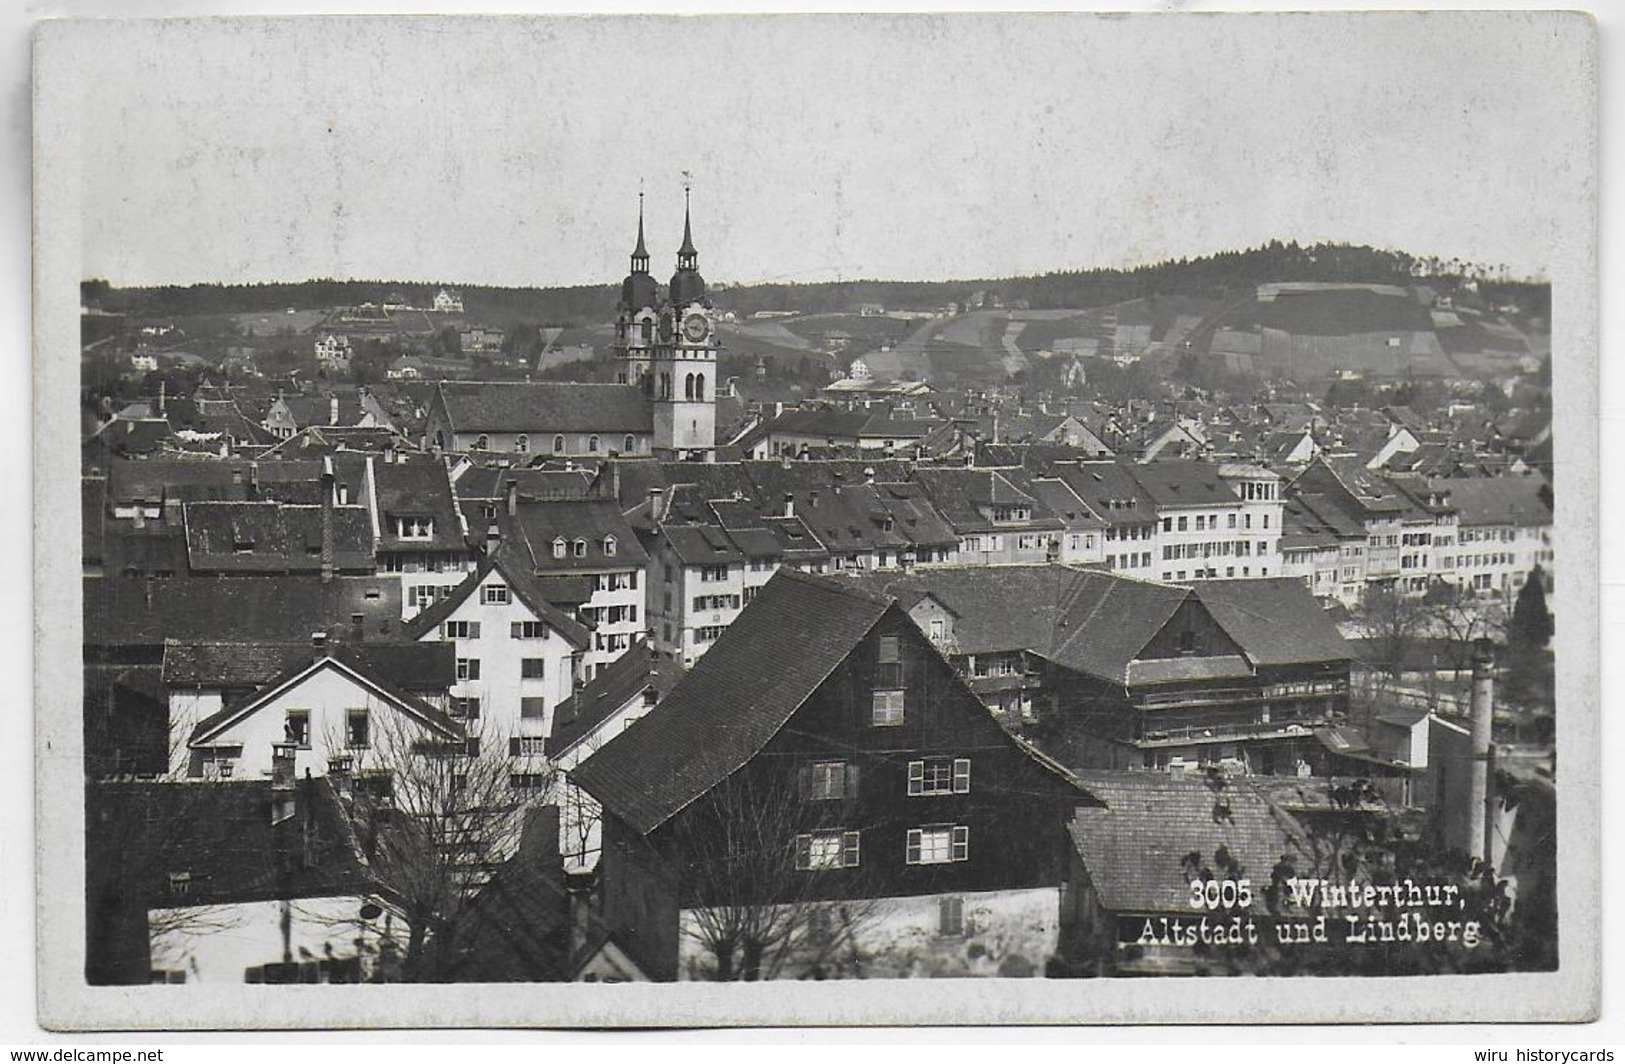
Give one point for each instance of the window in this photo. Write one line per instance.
(951, 913)
(592, 444)
(529, 630)
(828, 780)
(578, 548)
(1167, 524)
(558, 444)
(1232, 522)
(821, 851)
(709, 633)
(494, 594)
(357, 729)
(468, 668)
(521, 444)
(888, 709)
(939, 775)
(558, 547)
(938, 844)
(609, 546)
(527, 746)
(296, 729)
(528, 781)
(1183, 521)
(465, 708)
(532, 709)
(414, 527)
(628, 445)
(531, 668)
(180, 885)
(460, 630)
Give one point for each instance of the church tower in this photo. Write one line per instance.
(638, 317)
(685, 361)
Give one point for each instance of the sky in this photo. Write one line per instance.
(512, 151)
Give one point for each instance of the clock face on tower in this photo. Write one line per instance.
(695, 327)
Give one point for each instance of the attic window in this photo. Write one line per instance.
(494, 595)
(609, 546)
(578, 549)
(414, 527)
(558, 547)
(180, 884)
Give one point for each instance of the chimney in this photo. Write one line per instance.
(1481, 818)
(236, 477)
(511, 495)
(333, 410)
(493, 536)
(357, 622)
(318, 639)
(253, 480)
(656, 497)
(283, 803)
(615, 480)
(327, 521)
(789, 505)
(162, 396)
(812, 500)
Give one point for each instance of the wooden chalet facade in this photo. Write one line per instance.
(827, 737)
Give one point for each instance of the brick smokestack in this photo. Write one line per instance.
(1479, 793)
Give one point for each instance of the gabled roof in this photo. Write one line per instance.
(524, 587)
(1183, 483)
(416, 487)
(1275, 620)
(729, 706)
(1108, 490)
(545, 407)
(332, 658)
(1134, 846)
(629, 677)
(411, 666)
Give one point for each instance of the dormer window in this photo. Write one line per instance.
(483, 443)
(414, 527)
(578, 549)
(609, 546)
(522, 444)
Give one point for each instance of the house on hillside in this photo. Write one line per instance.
(821, 793)
(448, 301)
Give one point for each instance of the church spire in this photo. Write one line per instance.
(687, 250)
(640, 254)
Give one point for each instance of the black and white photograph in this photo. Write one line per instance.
(1098, 512)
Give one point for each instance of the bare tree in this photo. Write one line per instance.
(767, 900)
(435, 820)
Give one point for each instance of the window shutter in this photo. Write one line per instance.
(961, 775)
(913, 852)
(961, 841)
(849, 849)
(513, 746)
(442, 629)
(851, 781)
(514, 630)
(916, 777)
(473, 629)
(473, 668)
(472, 709)
(804, 781)
(803, 851)
(473, 745)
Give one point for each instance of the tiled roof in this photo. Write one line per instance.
(122, 611)
(539, 524)
(1183, 483)
(417, 487)
(341, 659)
(220, 835)
(1108, 489)
(736, 698)
(1135, 846)
(628, 677)
(274, 537)
(961, 493)
(1275, 620)
(545, 407)
(411, 666)
(506, 562)
(1508, 500)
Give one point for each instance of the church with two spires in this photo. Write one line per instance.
(664, 401)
